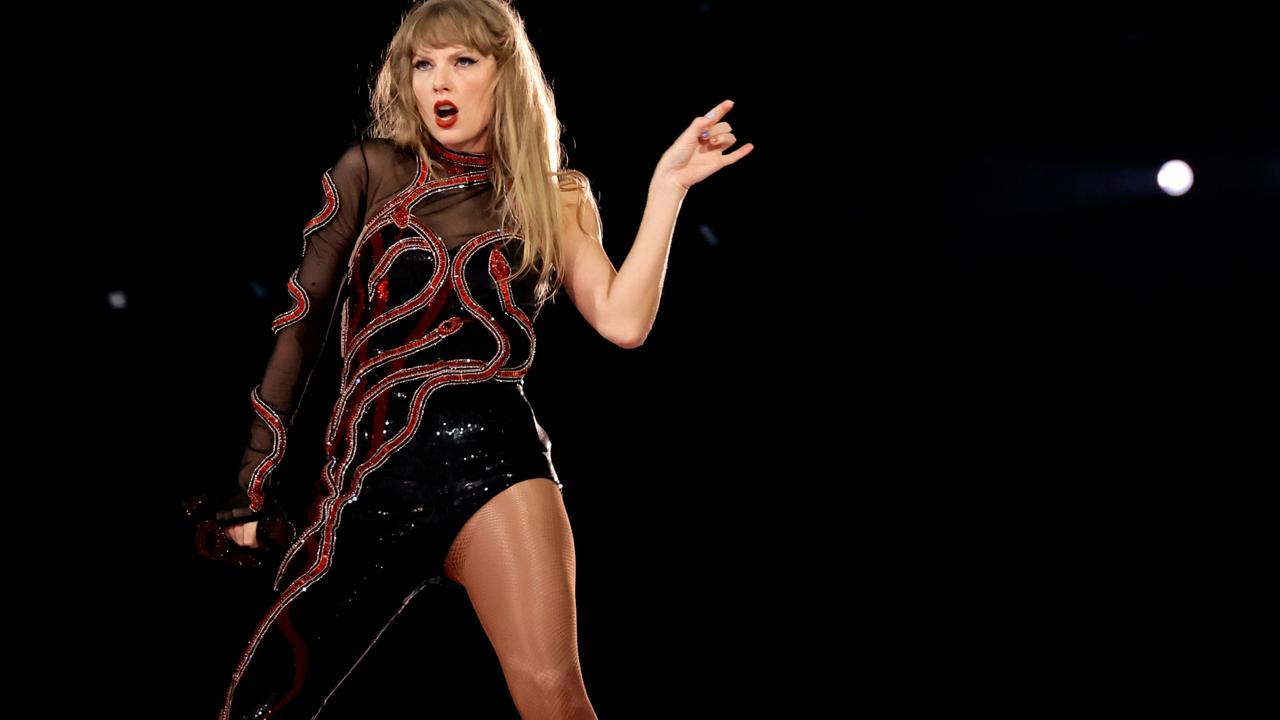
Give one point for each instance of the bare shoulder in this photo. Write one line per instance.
(573, 186)
(578, 199)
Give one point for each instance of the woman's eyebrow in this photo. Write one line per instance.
(425, 53)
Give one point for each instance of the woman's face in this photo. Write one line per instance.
(464, 78)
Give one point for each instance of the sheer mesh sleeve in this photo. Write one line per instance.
(327, 242)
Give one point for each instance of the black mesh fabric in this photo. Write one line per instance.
(363, 258)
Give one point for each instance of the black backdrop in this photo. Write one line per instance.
(946, 402)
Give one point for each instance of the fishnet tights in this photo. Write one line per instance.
(515, 557)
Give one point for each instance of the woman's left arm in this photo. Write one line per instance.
(623, 304)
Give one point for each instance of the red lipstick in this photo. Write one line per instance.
(446, 121)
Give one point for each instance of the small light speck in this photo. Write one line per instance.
(117, 300)
(708, 235)
(258, 290)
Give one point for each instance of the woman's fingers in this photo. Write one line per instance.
(245, 534)
(722, 141)
(716, 113)
(714, 130)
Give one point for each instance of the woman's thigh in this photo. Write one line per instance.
(515, 558)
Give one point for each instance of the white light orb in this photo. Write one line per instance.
(1175, 177)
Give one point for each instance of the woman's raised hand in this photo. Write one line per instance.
(699, 151)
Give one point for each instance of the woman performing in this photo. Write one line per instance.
(442, 233)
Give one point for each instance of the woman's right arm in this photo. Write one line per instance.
(327, 242)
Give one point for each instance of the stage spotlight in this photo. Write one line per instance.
(1175, 177)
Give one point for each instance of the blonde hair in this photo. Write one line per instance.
(525, 150)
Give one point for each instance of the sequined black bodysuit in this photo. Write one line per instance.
(430, 422)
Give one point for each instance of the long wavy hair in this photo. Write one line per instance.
(526, 157)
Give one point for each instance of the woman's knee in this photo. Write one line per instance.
(541, 690)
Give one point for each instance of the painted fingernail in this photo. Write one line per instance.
(711, 114)
(706, 134)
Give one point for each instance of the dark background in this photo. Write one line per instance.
(946, 402)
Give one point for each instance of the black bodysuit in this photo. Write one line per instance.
(430, 422)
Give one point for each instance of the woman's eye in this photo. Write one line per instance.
(427, 62)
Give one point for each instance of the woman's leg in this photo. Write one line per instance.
(515, 557)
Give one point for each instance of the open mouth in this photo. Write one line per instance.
(446, 113)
